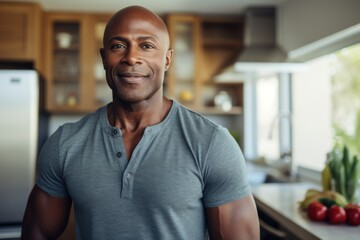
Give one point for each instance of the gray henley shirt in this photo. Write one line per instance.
(180, 166)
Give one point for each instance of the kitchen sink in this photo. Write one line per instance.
(270, 178)
(264, 177)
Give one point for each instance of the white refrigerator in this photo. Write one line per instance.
(23, 129)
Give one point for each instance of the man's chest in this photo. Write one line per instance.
(162, 175)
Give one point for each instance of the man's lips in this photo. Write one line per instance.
(132, 77)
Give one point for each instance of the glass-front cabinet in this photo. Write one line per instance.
(63, 62)
(75, 76)
(66, 64)
(73, 68)
(102, 92)
(182, 80)
(203, 47)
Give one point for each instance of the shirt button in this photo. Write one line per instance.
(115, 131)
(128, 175)
(119, 154)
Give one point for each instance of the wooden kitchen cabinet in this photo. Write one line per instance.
(203, 47)
(222, 42)
(182, 79)
(20, 32)
(102, 92)
(72, 68)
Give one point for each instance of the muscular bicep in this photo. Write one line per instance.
(233, 221)
(46, 216)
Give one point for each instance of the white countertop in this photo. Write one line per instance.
(280, 201)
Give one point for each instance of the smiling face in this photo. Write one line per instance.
(136, 55)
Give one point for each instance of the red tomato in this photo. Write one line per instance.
(353, 214)
(317, 211)
(336, 215)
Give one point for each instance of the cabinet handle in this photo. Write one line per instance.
(271, 230)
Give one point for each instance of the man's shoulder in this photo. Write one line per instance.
(195, 119)
(197, 125)
(83, 127)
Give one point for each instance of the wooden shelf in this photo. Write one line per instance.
(73, 48)
(67, 79)
(236, 110)
(65, 109)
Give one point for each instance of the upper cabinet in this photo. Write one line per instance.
(183, 80)
(20, 36)
(65, 48)
(73, 68)
(204, 46)
(102, 92)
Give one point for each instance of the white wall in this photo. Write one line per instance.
(312, 126)
(302, 22)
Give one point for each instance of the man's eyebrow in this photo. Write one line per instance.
(118, 38)
(144, 38)
(141, 38)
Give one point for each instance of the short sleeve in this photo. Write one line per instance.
(225, 175)
(50, 168)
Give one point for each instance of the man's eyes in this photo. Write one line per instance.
(117, 46)
(147, 46)
(124, 46)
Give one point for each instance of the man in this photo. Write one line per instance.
(143, 167)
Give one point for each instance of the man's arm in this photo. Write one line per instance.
(45, 216)
(234, 221)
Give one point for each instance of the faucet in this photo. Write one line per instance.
(285, 151)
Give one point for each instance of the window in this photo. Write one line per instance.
(326, 106)
(303, 112)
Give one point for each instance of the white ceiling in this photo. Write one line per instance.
(159, 6)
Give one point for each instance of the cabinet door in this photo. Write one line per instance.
(63, 62)
(102, 92)
(74, 70)
(20, 32)
(182, 79)
(67, 63)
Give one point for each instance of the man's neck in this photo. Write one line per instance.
(134, 117)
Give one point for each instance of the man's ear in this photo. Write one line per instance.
(102, 54)
(169, 57)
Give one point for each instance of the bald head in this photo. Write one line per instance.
(135, 17)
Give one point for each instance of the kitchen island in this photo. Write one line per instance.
(279, 202)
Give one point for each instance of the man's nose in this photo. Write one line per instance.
(132, 56)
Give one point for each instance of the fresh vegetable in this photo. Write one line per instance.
(353, 214)
(336, 215)
(317, 211)
(327, 197)
(327, 210)
(327, 202)
(344, 170)
(326, 178)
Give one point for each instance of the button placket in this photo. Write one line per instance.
(115, 133)
(128, 175)
(127, 185)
